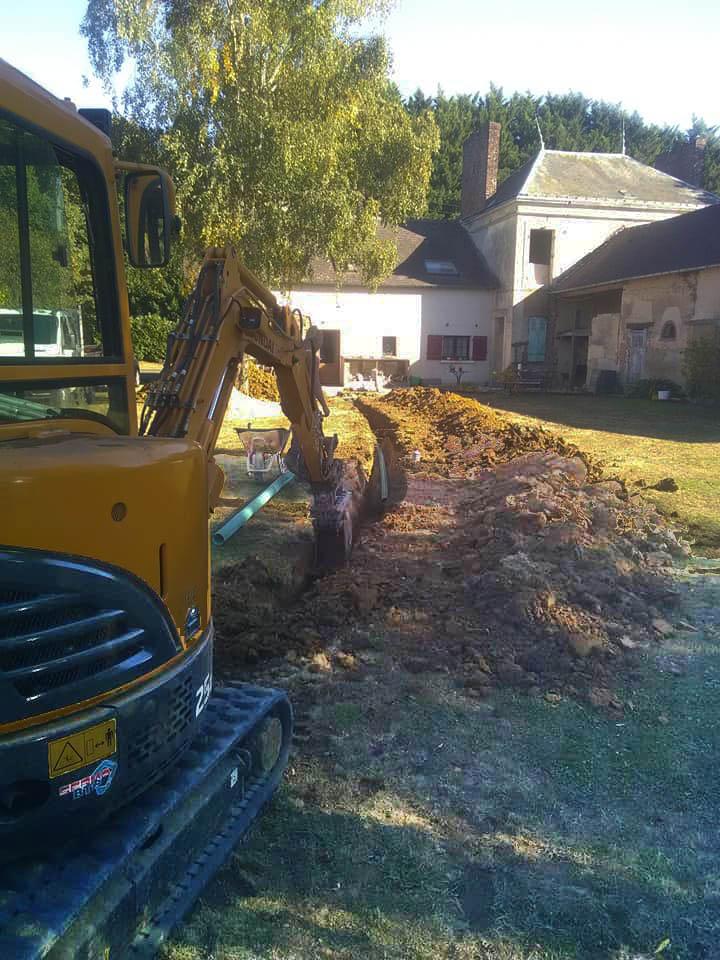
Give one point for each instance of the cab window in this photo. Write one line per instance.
(57, 286)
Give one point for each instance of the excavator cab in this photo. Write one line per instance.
(106, 629)
(105, 626)
(61, 342)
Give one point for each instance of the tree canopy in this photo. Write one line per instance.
(567, 121)
(278, 122)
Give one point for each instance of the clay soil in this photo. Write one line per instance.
(504, 559)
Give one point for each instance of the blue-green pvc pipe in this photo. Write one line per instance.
(384, 483)
(241, 516)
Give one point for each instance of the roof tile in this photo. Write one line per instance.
(615, 177)
(688, 242)
(418, 241)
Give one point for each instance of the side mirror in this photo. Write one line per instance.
(149, 217)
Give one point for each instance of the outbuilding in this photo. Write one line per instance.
(641, 297)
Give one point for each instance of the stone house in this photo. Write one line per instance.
(552, 212)
(480, 292)
(433, 313)
(627, 310)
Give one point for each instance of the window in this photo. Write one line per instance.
(87, 399)
(541, 246)
(455, 348)
(51, 309)
(669, 331)
(389, 346)
(441, 268)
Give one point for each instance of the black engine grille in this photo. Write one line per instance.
(52, 640)
(179, 716)
(84, 630)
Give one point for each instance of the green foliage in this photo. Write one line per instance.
(568, 122)
(157, 291)
(277, 120)
(648, 389)
(701, 367)
(149, 336)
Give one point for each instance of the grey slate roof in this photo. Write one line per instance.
(607, 177)
(417, 241)
(688, 242)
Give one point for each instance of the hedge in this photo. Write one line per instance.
(149, 335)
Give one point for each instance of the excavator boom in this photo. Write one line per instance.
(229, 314)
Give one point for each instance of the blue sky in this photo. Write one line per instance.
(654, 56)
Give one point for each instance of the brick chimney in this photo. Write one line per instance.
(686, 161)
(481, 154)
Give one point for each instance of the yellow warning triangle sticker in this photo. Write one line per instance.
(69, 757)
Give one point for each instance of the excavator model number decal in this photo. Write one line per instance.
(202, 695)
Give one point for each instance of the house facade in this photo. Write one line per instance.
(432, 314)
(543, 219)
(630, 308)
(500, 286)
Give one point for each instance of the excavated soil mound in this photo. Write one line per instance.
(261, 382)
(531, 573)
(457, 436)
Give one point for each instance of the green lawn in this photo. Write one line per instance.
(641, 440)
(418, 824)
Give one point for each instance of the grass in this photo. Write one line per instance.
(641, 440)
(417, 823)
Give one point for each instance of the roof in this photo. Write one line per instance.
(688, 242)
(418, 241)
(608, 177)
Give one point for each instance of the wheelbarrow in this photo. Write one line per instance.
(264, 451)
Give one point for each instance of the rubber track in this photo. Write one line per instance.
(101, 897)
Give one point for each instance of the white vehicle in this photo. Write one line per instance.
(56, 333)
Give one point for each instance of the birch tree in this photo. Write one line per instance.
(278, 121)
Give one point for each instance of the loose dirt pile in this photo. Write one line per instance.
(533, 574)
(573, 572)
(456, 436)
(261, 382)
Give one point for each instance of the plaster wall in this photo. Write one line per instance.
(409, 315)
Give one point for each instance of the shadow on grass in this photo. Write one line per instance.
(571, 834)
(679, 422)
(363, 889)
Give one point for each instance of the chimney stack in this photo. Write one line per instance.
(481, 155)
(686, 161)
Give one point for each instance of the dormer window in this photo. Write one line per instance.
(669, 331)
(441, 268)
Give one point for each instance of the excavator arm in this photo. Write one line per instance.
(229, 314)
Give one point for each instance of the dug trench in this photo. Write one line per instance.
(503, 555)
(505, 715)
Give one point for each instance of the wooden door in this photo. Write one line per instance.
(636, 355)
(330, 359)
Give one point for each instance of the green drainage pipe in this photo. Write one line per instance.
(384, 484)
(241, 516)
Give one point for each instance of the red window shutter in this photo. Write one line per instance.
(479, 348)
(434, 347)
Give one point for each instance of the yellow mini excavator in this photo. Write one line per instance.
(106, 630)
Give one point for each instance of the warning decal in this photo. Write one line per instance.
(79, 749)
